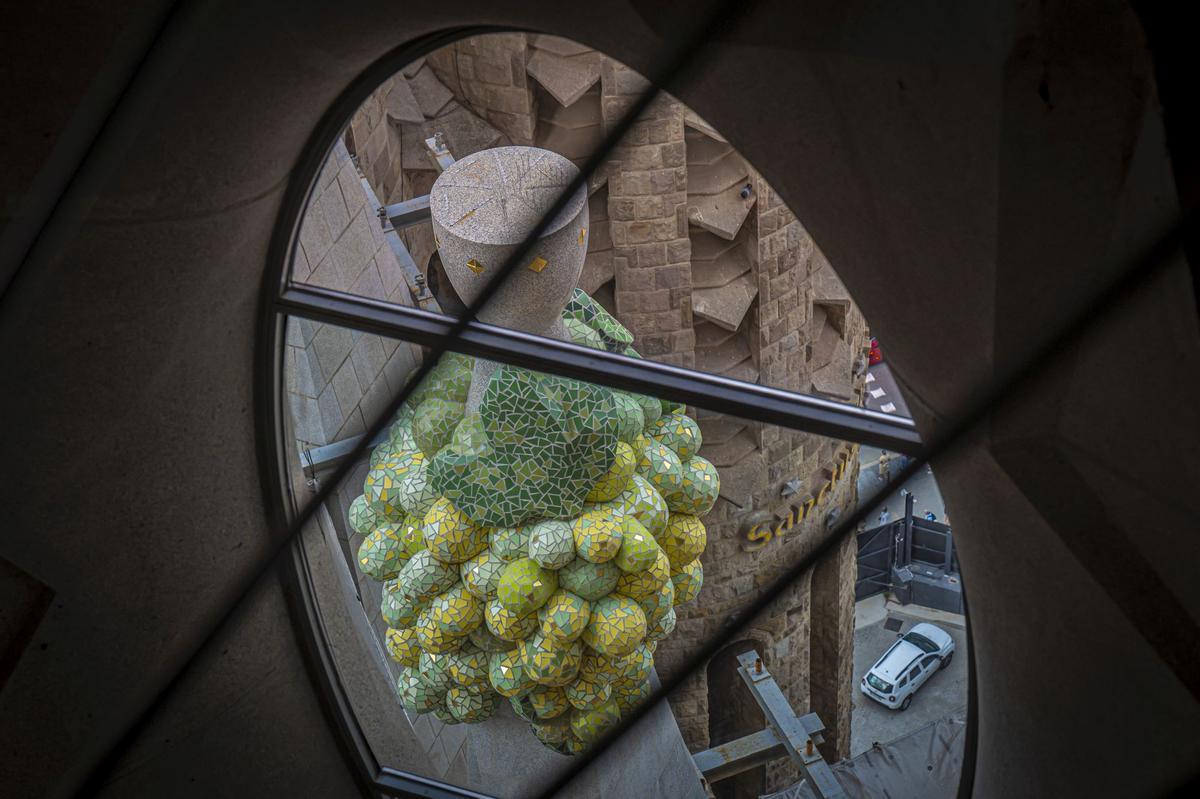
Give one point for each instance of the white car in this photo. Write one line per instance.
(907, 664)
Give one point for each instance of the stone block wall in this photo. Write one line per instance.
(487, 73)
(647, 208)
(337, 379)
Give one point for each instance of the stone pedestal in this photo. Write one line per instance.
(482, 208)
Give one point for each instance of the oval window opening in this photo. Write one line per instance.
(536, 540)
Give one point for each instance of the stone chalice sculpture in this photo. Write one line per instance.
(533, 534)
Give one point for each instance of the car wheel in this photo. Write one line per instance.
(907, 701)
(946, 661)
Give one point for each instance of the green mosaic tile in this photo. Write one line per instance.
(616, 479)
(646, 504)
(583, 335)
(656, 605)
(397, 607)
(637, 665)
(384, 487)
(547, 662)
(386, 451)
(402, 645)
(383, 553)
(449, 379)
(410, 534)
(628, 694)
(482, 637)
(697, 492)
(506, 625)
(553, 733)
(435, 422)
(630, 419)
(663, 627)
(651, 408)
(456, 611)
(683, 540)
(583, 308)
(506, 674)
(677, 431)
(646, 583)
(688, 582)
(481, 574)
(589, 580)
(597, 667)
(550, 439)
(551, 543)
(469, 668)
(585, 694)
(400, 435)
(670, 406)
(471, 705)
(497, 598)
(548, 701)
(424, 577)
(523, 707)
(434, 671)
(525, 586)
(597, 534)
(434, 639)
(564, 616)
(417, 695)
(661, 466)
(509, 543)
(449, 535)
(616, 627)
(589, 725)
(416, 494)
(639, 550)
(362, 519)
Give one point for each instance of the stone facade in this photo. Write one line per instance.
(696, 254)
(338, 380)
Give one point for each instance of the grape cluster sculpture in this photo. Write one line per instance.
(534, 550)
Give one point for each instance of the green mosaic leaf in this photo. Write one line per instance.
(583, 335)
(549, 440)
(583, 308)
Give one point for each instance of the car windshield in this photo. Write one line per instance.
(921, 641)
(878, 684)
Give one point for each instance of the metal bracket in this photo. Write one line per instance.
(786, 735)
(439, 152)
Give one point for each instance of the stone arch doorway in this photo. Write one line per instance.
(732, 713)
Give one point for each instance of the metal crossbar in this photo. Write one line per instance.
(506, 345)
(786, 735)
